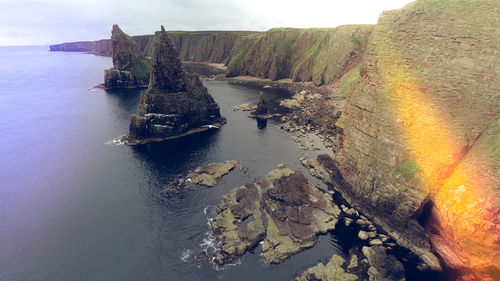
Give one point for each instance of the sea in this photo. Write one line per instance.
(77, 204)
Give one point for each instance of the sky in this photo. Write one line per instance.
(44, 22)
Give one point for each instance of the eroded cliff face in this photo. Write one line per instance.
(318, 55)
(130, 67)
(421, 131)
(175, 103)
(300, 54)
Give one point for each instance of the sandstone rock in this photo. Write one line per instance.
(245, 107)
(363, 235)
(211, 174)
(130, 67)
(261, 112)
(375, 242)
(324, 167)
(419, 129)
(175, 104)
(290, 104)
(333, 271)
(283, 210)
(383, 267)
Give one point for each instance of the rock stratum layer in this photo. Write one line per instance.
(175, 104)
(130, 67)
(420, 131)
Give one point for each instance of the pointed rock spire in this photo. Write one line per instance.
(168, 74)
(175, 104)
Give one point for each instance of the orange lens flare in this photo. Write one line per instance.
(458, 188)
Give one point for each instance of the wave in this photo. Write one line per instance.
(209, 245)
(116, 141)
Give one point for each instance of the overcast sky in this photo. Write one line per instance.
(43, 22)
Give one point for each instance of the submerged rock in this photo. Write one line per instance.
(283, 210)
(211, 174)
(175, 104)
(130, 67)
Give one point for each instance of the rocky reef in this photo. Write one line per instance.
(175, 104)
(130, 67)
(372, 263)
(283, 210)
(210, 175)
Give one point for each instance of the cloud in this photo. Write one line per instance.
(42, 21)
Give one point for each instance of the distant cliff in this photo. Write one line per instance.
(299, 54)
(84, 46)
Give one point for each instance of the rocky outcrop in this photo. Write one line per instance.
(372, 263)
(210, 175)
(283, 210)
(130, 67)
(261, 111)
(417, 133)
(175, 104)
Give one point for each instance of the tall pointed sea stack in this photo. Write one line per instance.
(130, 67)
(175, 104)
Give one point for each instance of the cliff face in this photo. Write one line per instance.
(421, 126)
(130, 67)
(84, 46)
(299, 54)
(175, 103)
(302, 54)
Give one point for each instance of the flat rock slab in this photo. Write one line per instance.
(371, 263)
(211, 174)
(245, 107)
(283, 210)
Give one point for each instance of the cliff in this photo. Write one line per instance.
(420, 131)
(300, 54)
(175, 104)
(130, 67)
(84, 46)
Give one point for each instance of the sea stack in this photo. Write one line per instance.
(130, 68)
(175, 104)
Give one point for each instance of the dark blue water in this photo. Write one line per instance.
(74, 206)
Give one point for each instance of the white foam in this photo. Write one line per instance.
(186, 254)
(115, 141)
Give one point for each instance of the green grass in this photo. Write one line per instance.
(355, 41)
(143, 69)
(407, 170)
(348, 80)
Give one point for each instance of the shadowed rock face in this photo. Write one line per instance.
(283, 210)
(130, 67)
(175, 103)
